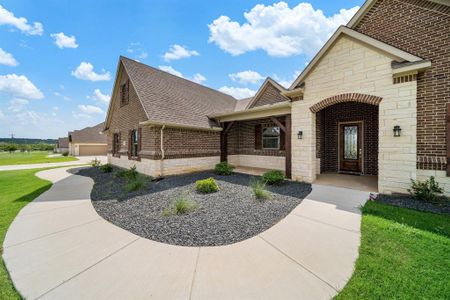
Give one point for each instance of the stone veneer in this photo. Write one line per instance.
(351, 67)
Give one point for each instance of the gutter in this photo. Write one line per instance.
(175, 125)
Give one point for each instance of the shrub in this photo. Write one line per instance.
(206, 186)
(224, 168)
(273, 177)
(135, 184)
(65, 153)
(96, 163)
(107, 168)
(183, 204)
(259, 189)
(128, 174)
(428, 190)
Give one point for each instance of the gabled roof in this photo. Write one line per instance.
(170, 99)
(368, 5)
(395, 53)
(263, 87)
(89, 135)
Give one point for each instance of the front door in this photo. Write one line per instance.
(350, 152)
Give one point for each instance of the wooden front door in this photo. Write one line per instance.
(350, 147)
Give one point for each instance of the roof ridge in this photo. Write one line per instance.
(178, 77)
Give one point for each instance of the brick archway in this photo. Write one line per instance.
(348, 97)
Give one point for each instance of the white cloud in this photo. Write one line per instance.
(178, 52)
(171, 70)
(99, 96)
(64, 41)
(278, 29)
(19, 86)
(8, 18)
(287, 82)
(198, 78)
(136, 49)
(248, 76)
(90, 109)
(238, 93)
(17, 105)
(7, 59)
(85, 71)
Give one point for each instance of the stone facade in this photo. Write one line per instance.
(421, 28)
(351, 67)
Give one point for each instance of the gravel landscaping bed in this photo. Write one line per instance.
(230, 215)
(407, 201)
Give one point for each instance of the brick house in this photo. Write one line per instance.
(373, 101)
(88, 141)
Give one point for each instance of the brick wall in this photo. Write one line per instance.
(270, 95)
(178, 143)
(327, 134)
(241, 139)
(422, 28)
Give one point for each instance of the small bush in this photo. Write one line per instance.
(259, 189)
(206, 186)
(128, 174)
(96, 163)
(223, 168)
(428, 190)
(65, 153)
(273, 177)
(107, 168)
(135, 184)
(183, 204)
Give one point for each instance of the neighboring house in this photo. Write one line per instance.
(89, 141)
(373, 101)
(62, 145)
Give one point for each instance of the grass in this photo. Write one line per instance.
(183, 204)
(404, 254)
(259, 189)
(35, 157)
(17, 189)
(135, 184)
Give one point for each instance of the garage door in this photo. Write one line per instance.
(92, 150)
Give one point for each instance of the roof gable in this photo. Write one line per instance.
(395, 53)
(269, 93)
(167, 98)
(89, 135)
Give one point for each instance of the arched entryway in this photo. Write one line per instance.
(347, 134)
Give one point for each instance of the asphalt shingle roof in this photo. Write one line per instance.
(89, 135)
(167, 98)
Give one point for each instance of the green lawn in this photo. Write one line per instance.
(17, 188)
(36, 157)
(404, 254)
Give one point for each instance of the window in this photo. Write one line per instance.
(116, 143)
(134, 139)
(271, 137)
(124, 93)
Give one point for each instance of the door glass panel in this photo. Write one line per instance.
(351, 142)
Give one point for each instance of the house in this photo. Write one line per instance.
(88, 141)
(375, 100)
(62, 145)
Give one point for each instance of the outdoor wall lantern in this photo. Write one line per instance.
(397, 130)
(300, 135)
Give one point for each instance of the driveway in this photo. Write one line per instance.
(82, 160)
(59, 248)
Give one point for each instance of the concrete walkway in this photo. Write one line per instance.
(59, 248)
(82, 160)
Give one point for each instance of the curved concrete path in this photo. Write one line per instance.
(58, 247)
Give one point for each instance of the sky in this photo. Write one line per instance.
(58, 58)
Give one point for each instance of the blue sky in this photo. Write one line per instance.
(58, 58)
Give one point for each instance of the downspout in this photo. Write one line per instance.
(162, 151)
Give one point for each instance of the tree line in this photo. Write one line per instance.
(13, 147)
